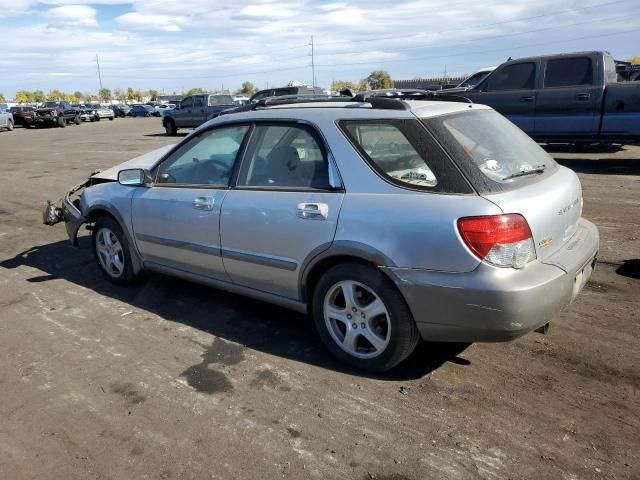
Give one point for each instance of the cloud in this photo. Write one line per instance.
(138, 21)
(76, 15)
(269, 10)
(10, 8)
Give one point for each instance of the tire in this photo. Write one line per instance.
(77, 120)
(146, 115)
(378, 312)
(62, 122)
(112, 251)
(111, 119)
(170, 127)
(10, 125)
(97, 119)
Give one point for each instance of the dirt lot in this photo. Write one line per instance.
(169, 379)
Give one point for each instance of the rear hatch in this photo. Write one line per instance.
(509, 169)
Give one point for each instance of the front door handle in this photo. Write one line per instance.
(583, 96)
(203, 203)
(313, 211)
(528, 98)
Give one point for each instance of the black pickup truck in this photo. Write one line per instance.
(573, 97)
(58, 114)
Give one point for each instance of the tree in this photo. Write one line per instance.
(79, 96)
(153, 94)
(247, 89)
(55, 95)
(71, 98)
(24, 96)
(120, 94)
(131, 94)
(195, 91)
(2, 99)
(635, 59)
(339, 85)
(379, 79)
(104, 94)
(38, 96)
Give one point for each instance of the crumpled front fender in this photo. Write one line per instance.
(73, 219)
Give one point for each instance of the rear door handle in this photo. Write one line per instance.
(528, 98)
(203, 203)
(313, 211)
(583, 96)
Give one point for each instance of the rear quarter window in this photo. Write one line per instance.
(405, 154)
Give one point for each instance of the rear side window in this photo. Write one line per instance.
(518, 76)
(568, 72)
(404, 153)
(284, 156)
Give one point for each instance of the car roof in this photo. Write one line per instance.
(333, 111)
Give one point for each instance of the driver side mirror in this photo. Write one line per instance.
(134, 177)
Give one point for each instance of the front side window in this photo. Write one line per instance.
(391, 152)
(568, 72)
(517, 76)
(187, 102)
(198, 102)
(285, 156)
(208, 159)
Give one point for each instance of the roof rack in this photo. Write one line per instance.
(378, 99)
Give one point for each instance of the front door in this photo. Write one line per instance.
(510, 90)
(284, 206)
(182, 115)
(176, 222)
(568, 99)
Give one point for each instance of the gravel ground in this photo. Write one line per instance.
(168, 379)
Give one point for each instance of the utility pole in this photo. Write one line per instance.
(313, 64)
(99, 76)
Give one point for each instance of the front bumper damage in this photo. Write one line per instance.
(66, 210)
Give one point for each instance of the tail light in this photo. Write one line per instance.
(501, 240)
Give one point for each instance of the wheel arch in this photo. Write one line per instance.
(105, 209)
(327, 256)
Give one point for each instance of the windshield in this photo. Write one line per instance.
(494, 153)
(51, 104)
(474, 79)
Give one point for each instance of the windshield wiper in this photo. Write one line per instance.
(534, 171)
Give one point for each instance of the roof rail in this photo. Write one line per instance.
(413, 94)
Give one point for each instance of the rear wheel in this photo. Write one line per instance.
(77, 120)
(170, 127)
(112, 251)
(362, 318)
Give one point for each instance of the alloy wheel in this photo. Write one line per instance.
(110, 252)
(357, 319)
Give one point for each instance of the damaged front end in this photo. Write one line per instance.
(67, 209)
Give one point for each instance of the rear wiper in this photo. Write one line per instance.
(534, 171)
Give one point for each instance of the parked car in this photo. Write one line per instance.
(25, 116)
(101, 112)
(386, 220)
(86, 112)
(142, 111)
(195, 110)
(475, 79)
(165, 107)
(285, 91)
(6, 119)
(564, 98)
(120, 110)
(57, 114)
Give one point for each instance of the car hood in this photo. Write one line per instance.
(146, 161)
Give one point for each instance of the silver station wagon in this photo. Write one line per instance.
(386, 220)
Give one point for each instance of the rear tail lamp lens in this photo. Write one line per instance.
(501, 240)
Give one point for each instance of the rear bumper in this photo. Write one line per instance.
(493, 304)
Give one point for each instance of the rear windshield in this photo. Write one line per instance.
(494, 154)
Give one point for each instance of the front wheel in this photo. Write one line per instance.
(77, 120)
(170, 127)
(10, 125)
(112, 251)
(110, 119)
(62, 122)
(362, 318)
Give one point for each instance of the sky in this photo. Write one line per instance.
(172, 46)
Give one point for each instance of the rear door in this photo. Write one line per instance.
(511, 90)
(282, 208)
(176, 221)
(569, 97)
(198, 111)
